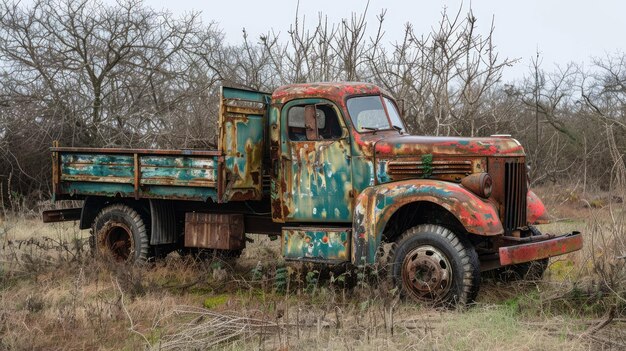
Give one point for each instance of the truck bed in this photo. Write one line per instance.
(136, 173)
(233, 172)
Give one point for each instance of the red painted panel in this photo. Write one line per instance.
(541, 249)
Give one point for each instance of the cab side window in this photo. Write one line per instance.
(327, 123)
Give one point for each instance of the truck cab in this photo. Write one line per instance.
(333, 170)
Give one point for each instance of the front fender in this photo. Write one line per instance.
(536, 212)
(376, 204)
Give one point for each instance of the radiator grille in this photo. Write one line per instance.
(514, 195)
(418, 168)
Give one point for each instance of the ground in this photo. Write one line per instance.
(54, 295)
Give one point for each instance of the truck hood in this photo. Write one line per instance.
(387, 145)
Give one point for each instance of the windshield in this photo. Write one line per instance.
(394, 116)
(368, 113)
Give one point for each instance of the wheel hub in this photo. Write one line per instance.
(118, 240)
(427, 273)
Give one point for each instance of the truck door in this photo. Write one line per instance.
(242, 142)
(315, 163)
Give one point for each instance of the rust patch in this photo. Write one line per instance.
(540, 250)
(242, 194)
(336, 92)
(116, 239)
(214, 231)
(316, 243)
(68, 214)
(375, 206)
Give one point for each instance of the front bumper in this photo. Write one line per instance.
(538, 250)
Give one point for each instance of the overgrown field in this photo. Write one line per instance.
(55, 296)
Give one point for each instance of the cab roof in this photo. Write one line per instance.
(335, 91)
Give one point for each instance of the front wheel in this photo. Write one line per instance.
(432, 264)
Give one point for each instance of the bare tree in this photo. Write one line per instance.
(92, 74)
(86, 73)
(604, 98)
(443, 76)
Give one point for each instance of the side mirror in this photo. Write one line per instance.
(310, 122)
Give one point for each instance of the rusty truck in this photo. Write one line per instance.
(332, 169)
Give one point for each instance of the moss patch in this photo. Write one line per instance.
(213, 302)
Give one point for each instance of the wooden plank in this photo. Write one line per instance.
(96, 179)
(88, 150)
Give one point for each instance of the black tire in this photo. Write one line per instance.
(119, 233)
(431, 264)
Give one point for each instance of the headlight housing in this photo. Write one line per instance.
(480, 184)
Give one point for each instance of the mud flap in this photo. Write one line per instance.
(163, 222)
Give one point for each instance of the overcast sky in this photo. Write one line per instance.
(563, 31)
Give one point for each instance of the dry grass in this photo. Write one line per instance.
(54, 296)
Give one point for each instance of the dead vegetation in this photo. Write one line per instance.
(55, 296)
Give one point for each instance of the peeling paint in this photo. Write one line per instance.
(316, 176)
(539, 250)
(243, 122)
(375, 206)
(357, 180)
(317, 244)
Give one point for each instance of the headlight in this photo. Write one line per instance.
(480, 184)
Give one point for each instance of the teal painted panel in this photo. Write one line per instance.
(317, 175)
(127, 190)
(155, 170)
(249, 138)
(118, 167)
(101, 189)
(100, 159)
(243, 144)
(249, 95)
(179, 161)
(362, 173)
(321, 183)
(180, 193)
(178, 170)
(321, 244)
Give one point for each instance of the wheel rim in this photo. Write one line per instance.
(118, 239)
(427, 273)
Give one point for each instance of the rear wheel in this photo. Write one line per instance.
(432, 264)
(119, 233)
